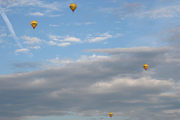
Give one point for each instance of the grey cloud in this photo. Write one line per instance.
(161, 57)
(167, 1)
(141, 10)
(134, 50)
(25, 65)
(171, 36)
(118, 84)
(128, 9)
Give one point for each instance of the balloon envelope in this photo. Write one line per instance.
(34, 23)
(110, 114)
(145, 66)
(73, 6)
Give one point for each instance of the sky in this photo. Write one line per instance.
(83, 65)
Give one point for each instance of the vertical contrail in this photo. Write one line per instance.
(10, 27)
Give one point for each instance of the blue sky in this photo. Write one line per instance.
(83, 65)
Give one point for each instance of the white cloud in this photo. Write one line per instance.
(77, 23)
(37, 14)
(172, 111)
(49, 7)
(144, 49)
(55, 15)
(117, 35)
(62, 40)
(2, 34)
(39, 3)
(83, 58)
(31, 40)
(24, 50)
(64, 44)
(66, 38)
(35, 47)
(54, 25)
(97, 39)
(122, 84)
(170, 11)
(51, 43)
(10, 27)
(55, 37)
(58, 62)
(93, 57)
(87, 23)
(72, 39)
(3, 46)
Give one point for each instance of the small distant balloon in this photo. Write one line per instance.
(145, 66)
(34, 24)
(110, 114)
(73, 6)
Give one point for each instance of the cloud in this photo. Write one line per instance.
(64, 44)
(170, 11)
(10, 27)
(37, 14)
(62, 40)
(55, 37)
(25, 65)
(72, 39)
(58, 62)
(58, 39)
(55, 15)
(98, 39)
(170, 36)
(51, 43)
(136, 10)
(49, 7)
(87, 23)
(117, 22)
(77, 23)
(24, 50)
(54, 25)
(93, 57)
(126, 10)
(117, 35)
(138, 50)
(30, 40)
(39, 3)
(116, 81)
(2, 35)
(83, 58)
(35, 47)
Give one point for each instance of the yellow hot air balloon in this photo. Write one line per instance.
(34, 23)
(145, 66)
(73, 6)
(110, 114)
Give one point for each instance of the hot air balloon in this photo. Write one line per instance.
(73, 6)
(110, 114)
(34, 23)
(145, 66)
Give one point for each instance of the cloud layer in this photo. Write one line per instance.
(118, 82)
